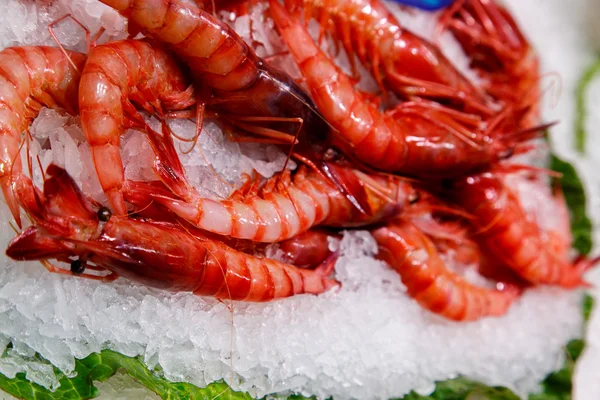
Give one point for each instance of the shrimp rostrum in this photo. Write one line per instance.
(157, 254)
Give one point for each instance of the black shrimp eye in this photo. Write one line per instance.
(104, 214)
(508, 153)
(447, 184)
(413, 197)
(77, 267)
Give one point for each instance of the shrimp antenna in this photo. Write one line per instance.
(60, 45)
(14, 228)
(141, 209)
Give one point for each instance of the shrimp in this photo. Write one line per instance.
(31, 77)
(156, 254)
(413, 255)
(421, 139)
(285, 206)
(217, 56)
(401, 61)
(505, 60)
(506, 232)
(114, 75)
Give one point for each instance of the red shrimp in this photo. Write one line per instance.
(156, 254)
(244, 84)
(31, 77)
(435, 287)
(506, 232)
(115, 75)
(506, 61)
(422, 139)
(401, 61)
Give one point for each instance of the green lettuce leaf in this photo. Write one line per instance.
(103, 365)
(581, 107)
(581, 226)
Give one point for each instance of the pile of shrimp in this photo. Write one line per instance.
(421, 163)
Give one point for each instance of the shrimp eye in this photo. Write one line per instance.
(508, 153)
(447, 184)
(77, 267)
(413, 197)
(104, 214)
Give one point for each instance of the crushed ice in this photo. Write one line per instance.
(342, 344)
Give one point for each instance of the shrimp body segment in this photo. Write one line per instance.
(115, 75)
(31, 77)
(435, 287)
(420, 140)
(156, 254)
(506, 231)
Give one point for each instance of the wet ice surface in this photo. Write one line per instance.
(343, 344)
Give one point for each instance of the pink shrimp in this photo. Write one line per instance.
(412, 254)
(115, 75)
(31, 77)
(401, 61)
(244, 84)
(284, 207)
(156, 254)
(421, 139)
(506, 232)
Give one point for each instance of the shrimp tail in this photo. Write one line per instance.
(62, 193)
(167, 164)
(575, 279)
